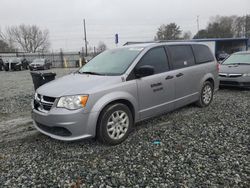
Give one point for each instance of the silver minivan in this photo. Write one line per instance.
(123, 86)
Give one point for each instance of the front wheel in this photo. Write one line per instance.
(115, 123)
(206, 95)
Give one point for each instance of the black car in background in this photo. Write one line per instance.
(40, 64)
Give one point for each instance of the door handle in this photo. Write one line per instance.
(179, 75)
(169, 77)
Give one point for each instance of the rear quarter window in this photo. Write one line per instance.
(202, 54)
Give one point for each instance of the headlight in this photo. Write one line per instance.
(246, 74)
(72, 102)
(36, 96)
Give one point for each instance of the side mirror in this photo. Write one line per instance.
(145, 70)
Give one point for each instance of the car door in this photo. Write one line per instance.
(155, 92)
(187, 74)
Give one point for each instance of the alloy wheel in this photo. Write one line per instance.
(117, 124)
(207, 94)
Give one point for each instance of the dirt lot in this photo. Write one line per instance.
(206, 147)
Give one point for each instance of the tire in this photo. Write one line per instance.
(206, 95)
(109, 127)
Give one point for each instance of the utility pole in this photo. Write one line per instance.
(198, 26)
(85, 38)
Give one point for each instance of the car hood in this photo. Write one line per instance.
(37, 63)
(237, 69)
(74, 84)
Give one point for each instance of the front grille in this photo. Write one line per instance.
(49, 99)
(37, 65)
(230, 75)
(59, 131)
(44, 103)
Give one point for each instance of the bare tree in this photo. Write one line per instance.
(247, 26)
(239, 26)
(28, 38)
(4, 46)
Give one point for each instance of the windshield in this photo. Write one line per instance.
(111, 62)
(243, 58)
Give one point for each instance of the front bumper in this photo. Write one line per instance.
(66, 125)
(235, 82)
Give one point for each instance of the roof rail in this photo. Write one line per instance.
(154, 41)
(183, 40)
(138, 42)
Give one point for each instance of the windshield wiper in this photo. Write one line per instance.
(239, 64)
(89, 72)
(243, 63)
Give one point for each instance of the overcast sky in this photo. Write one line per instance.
(133, 20)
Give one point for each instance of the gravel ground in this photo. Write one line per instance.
(195, 147)
(16, 92)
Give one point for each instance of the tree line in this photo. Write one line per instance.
(31, 39)
(217, 27)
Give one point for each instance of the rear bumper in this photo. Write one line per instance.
(235, 82)
(62, 124)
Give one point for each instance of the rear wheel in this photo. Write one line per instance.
(114, 124)
(206, 95)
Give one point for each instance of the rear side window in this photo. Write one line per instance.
(182, 56)
(202, 54)
(157, 58)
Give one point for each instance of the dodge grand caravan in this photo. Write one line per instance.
(122, 86)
